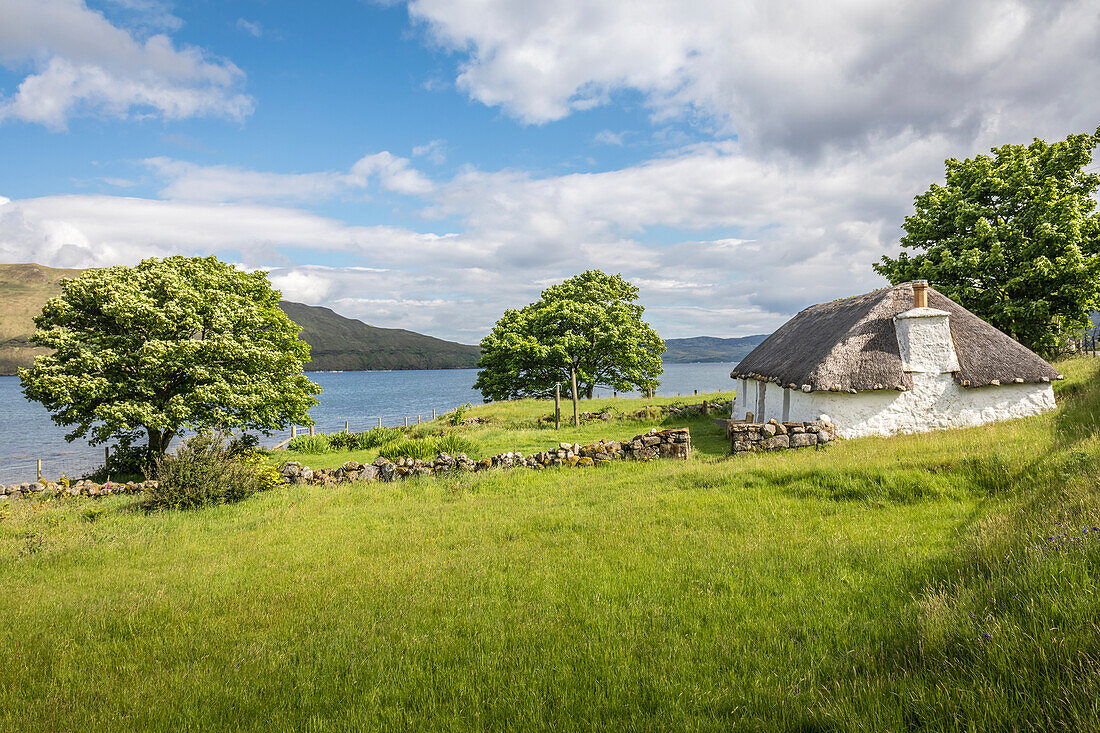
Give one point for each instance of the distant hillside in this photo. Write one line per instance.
(708, 348)
(340, 343)
(337, 343)
(24, 289)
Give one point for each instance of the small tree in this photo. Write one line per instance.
(1015, 238)
(584, 332)
(172, 344)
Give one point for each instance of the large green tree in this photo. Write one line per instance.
(1015, 238)
(171, 344)
(585, 332)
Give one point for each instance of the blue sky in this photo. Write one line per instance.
(428, 164)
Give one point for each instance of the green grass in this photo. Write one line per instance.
(841, 589)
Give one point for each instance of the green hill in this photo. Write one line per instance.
(337, 343)
(709, 348)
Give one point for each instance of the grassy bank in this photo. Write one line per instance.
(941, 581)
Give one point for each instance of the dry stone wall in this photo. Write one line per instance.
(654, 445)
(773, 435)
(75, 488)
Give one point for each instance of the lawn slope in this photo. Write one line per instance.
(941, 581)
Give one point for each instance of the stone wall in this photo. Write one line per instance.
(75, 488)
(654, 445)
(773, 435)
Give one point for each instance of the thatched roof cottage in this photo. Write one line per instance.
(903, 359)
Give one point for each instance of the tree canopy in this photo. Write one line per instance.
(1015, 238)
(171, 344)
(589, 326)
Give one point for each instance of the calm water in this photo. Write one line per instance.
(357, 397)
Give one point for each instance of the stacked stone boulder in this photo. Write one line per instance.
(773, 435)
(81, 487)
(653, 445)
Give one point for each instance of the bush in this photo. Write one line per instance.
(425, 450)
(378, 436)
(202, 471)
(343, 441)
(124, 462)
(454, 444)
(457, 415)
(310, 443)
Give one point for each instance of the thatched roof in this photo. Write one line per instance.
(851, 345)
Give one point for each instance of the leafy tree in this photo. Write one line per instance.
(1015, 238)
(582, 333)
(173, 344)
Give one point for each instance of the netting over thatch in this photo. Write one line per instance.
(851, 344)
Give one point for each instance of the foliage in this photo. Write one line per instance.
(455, 417)
(452, 444)
(202, 471)
(319, 443)
(377, 436)
(171, 344)
(423, 448)
(343, 441)
(1015, 238)
(124, 461)
(589, 325)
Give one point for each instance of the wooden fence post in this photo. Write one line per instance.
(557, 407)
(346, 427)
(433, 413)
(312, 429)
(418, 419)
(406, 421)
(379, 422)
(293, 432)
(39, 469)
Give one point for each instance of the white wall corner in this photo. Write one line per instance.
(924, 339)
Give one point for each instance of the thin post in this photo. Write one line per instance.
(557, 407)
(418, 419)
(293, 431)
(379, 422)
(346, 427)
(406, 421)
(312, 429)
(39, 469)
(576, 410)
(433, 413)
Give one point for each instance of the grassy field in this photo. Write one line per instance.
(942, 581)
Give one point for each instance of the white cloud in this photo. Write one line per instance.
(251, 28)
(607, 137)
(797, 76)
(393, 173)
(434, 151)
(84, 64)
(192, 182)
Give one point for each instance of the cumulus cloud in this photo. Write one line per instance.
(192, 182)
(798, 76)
(82, 63)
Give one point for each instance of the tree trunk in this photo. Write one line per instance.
(159, 440)
(576, 411)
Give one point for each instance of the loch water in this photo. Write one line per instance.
(360, 398)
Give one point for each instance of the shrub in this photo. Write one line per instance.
(343, 441)
(203, 472)
(454, 444)
(457, 415)
(377, 436)
(425, 450)
(310, 443)
(124, 462)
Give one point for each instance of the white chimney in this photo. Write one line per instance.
(924, 335)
